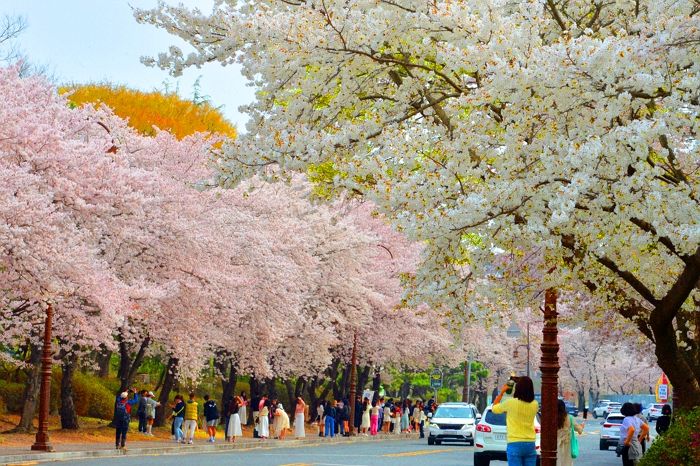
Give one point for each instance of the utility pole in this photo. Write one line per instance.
(467, 380)
(550, 377)
(43, 442)
(353, 384)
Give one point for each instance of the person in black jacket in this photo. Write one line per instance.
(664, 421)
(211, 414)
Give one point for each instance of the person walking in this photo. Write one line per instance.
(121, 420)
(640, 416)
(357, 422)
(632, 431)
(255, 406)
(521, 410)
(178, 418)
(299, 411)
(374, 418)
(150, 405)
(566, 427)
(329, 423)
(421, 419)
(190, 419)
(211, 416)
(264, 419)
(233, 428)
(396, 419)
(663, 422)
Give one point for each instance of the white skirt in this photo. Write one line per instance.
(234, 426)
(264, 429)
(243, 413)
(299, 425)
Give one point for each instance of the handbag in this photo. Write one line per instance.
(618, 449)
(574, 440)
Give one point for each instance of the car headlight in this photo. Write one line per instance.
(432, 424)
(467, 426)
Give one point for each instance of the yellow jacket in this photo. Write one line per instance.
(520, 419)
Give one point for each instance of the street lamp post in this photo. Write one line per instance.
(42, 442)
(550, 379)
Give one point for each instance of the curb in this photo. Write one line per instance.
(33, 458)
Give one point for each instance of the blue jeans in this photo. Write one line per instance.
(521, 454)
(177, 426)
(329, 431)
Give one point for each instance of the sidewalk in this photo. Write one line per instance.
(20, 455)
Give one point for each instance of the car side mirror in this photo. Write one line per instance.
(478, 417)
(602, 422)
(430, 415)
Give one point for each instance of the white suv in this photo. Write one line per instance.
(490, 441)
(610, 430)
(452, 421)
(604, 407)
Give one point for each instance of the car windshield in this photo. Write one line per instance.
(495, 419)
(454, 412)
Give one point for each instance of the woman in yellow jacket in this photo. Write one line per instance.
(520, 422)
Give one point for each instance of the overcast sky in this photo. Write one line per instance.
(84, 41)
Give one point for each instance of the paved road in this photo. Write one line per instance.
(395, 453)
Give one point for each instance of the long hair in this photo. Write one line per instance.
(524, 390)
(561, 414)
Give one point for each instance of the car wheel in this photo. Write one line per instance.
(481, 460)
(431, 441)
(595, 416)
(603, 445)
(438, 442)
(471, 443)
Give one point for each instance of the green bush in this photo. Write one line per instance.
(12, 396)
(680, 445)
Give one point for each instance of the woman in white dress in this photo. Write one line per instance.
(264, 420)
(233, 429)
(299, 410)
(364, 426)
(243, 410)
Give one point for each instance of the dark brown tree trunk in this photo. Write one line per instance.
(103, 358)
(69, 418)
(228, 386)
(289, 406)
(377, 380)
(31, 390)
(164, 397)
(681, 372)
(128, 364)
(311, 390)
(299, 387)
(362, 379)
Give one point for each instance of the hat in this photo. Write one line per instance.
(124, 395)
(150, 394)
(279, 405)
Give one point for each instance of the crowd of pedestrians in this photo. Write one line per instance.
(269, 418)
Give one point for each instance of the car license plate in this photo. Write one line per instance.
(499, 437)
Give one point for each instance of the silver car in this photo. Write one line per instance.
(453, 421)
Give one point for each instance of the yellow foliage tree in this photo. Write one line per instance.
(144, 110)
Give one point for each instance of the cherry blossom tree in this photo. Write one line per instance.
(482, 127)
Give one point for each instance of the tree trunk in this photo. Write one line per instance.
(677, 368)
(377, 380)
(164, 397)
(31, 390)
(103, 359)
(228, 386)
(362, 379)
(311, 390)
(69, 418)
(128, 365)
(289, 406)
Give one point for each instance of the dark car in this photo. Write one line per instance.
(571, 408)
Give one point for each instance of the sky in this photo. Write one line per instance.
(82, 41)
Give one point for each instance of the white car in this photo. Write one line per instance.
(603, 408)
(453, 421)
(653, 411)
(610, 430)
(490, 441)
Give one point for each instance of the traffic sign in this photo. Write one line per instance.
(436, 379)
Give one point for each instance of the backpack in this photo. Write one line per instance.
(142, 406)
(121, 414)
